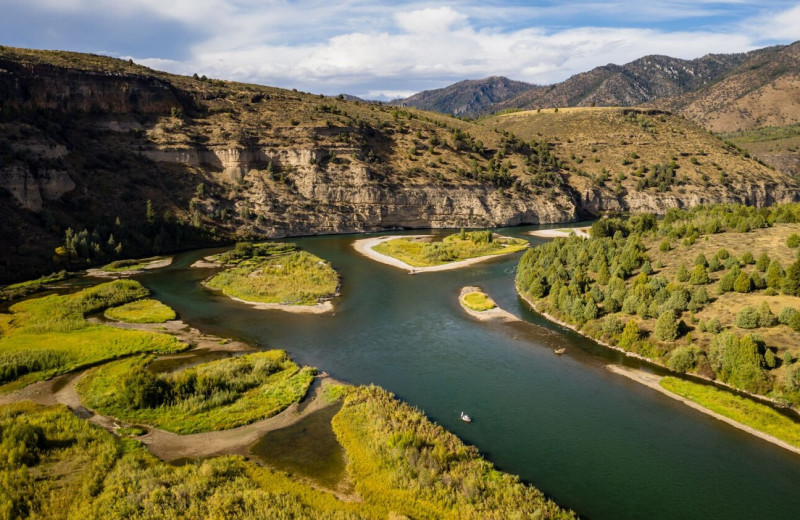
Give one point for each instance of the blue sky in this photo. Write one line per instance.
(388, 49)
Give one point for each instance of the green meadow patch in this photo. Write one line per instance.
(453, 248)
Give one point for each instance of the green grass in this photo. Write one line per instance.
(398, 458)
(45, 337)
(18, 290)
(124, 265)
(217, 395)
(296, 278)
(740, 409)
(141, 311)
(478, 301)
(452, 248)
(247, 250)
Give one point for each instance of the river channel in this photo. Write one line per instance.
(596, 442)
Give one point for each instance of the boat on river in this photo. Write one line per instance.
(466, 418)
(560, 351)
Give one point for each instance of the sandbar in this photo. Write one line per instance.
(557, 233)
(490, 314)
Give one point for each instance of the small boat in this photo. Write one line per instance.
(560, 351)
(466, 418)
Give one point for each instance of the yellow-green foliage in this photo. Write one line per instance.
(478, 301)
(21, 289)
(297, 278)
(212, 396)
(142, 311)
(397, 457)
(48, 336)
(452, 249)
(124, 265)
(64, 467)
(740, 409)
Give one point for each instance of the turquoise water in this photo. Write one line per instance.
(594, 441)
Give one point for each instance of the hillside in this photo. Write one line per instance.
(467, 98)
(105, 159)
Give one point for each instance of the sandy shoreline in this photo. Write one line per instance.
(492, 314)
(652, 381)
(319, 308)
(557, 233)
(365, 245)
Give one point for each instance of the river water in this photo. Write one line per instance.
(596, 442)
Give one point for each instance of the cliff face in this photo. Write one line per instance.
(149, 162)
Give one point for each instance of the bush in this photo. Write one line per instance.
(700, 259)
(793, 241)
(774, 275)
(683, 359)
(699, 275)
(630, 335)
(682, 274)
(791, 282)
(747, 318)
(765, 316)
(763, 262)
(664, 246)
(714, 326)
(747, 258)
(786, 314)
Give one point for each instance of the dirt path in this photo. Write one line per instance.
(652, 381)
(365, 245)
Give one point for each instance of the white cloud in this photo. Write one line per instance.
(365, 48)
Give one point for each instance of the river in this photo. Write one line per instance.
(596, 442)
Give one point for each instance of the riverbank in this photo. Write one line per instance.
(653, 381)
(560, 233)
(365, 247)
(495, 313)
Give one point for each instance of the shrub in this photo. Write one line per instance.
(714, 326)
(612, 326)
(786, 314)
(765, 316)
(747, 258)
(774, 275)
(700, 259)
(683, 359)
(791, 282)
(793, 241)
(683, 274)
(747, 318)
(664, 246)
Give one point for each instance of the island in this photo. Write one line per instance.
(479, 305)
(423, 254)
(274, 275)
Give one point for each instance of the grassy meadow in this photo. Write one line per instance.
(217, 395)
(141, 311)
(453, 248)
(48, 336)
(282, 276)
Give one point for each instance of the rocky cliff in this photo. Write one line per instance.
(146, 161)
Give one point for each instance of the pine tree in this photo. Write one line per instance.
(666, 328)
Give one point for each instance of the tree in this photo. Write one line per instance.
(793, 241)
(786, 315)
(791, 282)
(742, 283)
(200, 191)
(765, 316)
(683, 359)
(666, 328)
(150, 214)
(664, 246)
(747, 258)
(774, 275)
(763, 262)
(699, 275)
(683, 274)
(747, 318)
(700, 259)
(630, 335)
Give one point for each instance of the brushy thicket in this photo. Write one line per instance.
(460, 246)
(48, 336)
(398, 458)
(217, 395)
(54, 465)
(276, 276)
(608, 287)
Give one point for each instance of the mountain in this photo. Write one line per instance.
(467, 98)
(102, 159)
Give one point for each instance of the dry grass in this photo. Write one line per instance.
(478, 301)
